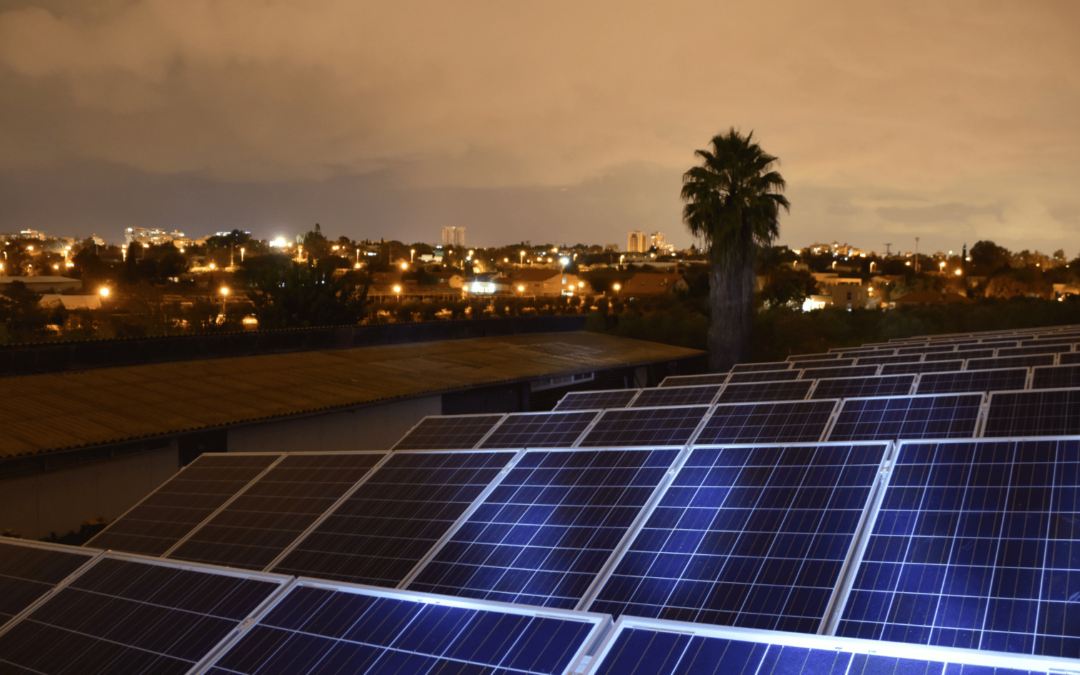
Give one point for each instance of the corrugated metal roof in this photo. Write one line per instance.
(58, 411)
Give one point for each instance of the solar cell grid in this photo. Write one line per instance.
(783, 422)
(878, 360)
(540, 430)
(856, 353)
(747, 536)
(1045, 412)
(1069, 358)
(767, 376)
(850, 371)
(923, 367)
(320, 629)
(972, 548)
(168, 514)
(687, 380)
(699, 395)
(389, 523)
(926, 349)
(29, 571)
(644, 426)
(907, 417)
(274, 511)
(812, 357)
(751, 367)
(133, 616)
(972, 381)
(963, 354)
(1011, 362)
(450, 432)
(855, 387)
(1034, 349)
(594, 400)
(765, 391)
(1038, 340)
(1054, 377)
(545, 532)
(821, 363)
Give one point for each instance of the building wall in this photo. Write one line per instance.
(60, 501)
(369, 428)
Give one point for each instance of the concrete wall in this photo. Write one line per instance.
(59, 501)
(369, 428)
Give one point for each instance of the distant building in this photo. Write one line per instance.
(651, 283)
(637, 242)
(453, 236)
(544, 281)
(152, 236)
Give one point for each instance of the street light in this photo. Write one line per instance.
(523, 257)
(617, 288)
(412, 255)
(224, 298)
(241, 255)
(104, 290)
(404, 265)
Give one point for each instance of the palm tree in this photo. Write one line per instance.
(732, 202)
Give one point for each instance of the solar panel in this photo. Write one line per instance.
(926, 349)
(266, 518)
(765, 391)
(1029, 350)
(752, 367)
(961, 381)
(133, 616)
(812, 357)
(168, 514)
(644, 426)
(883, 419)
(448, 432)
(783, 422)
(1055, 377)
(1011, 362)
(820, 363)
(852, 387)
(850, 371)
(1069, 358)
(594, 400)
(384, 528)
(952, 356)
(654, 647)
(972, 548)
(748, 536)
(924, 367)
(701, 394)
(687, 380)
(318, 628)
(768, 376)
(865, 351)
(542, 536)
(1046, 412)
(29, 570)
(878, 360)
(1056, 339)
(540, 430)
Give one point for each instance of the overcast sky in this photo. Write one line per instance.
(549, 121)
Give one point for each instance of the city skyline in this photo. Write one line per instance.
(950, 123)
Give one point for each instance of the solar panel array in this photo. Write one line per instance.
(773, 497)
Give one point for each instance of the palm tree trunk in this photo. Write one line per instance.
(731, 303)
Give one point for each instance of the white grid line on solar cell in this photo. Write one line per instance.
(972, 381)
(356, 620)
(843, 371)
(702, 394)
(907, 417)
(1039, 412)
(767, 423)
(594, 400)
(765, 376)
(1055, 377)
(740, 511)
(557, 429)
(759, 392)
(271, 513)
(879, 360)
(862, 387)
(449, 432)
(923, 367)
(1010, 362)
(639, 646)
(132, 613)
(967, 549)
(32, 571)
(635, 427)
(751, 367)
(687, 380)
(198, 492)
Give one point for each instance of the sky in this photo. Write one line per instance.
(553, 122)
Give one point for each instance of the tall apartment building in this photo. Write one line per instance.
(658, 240)
(453, 236)
(637, 242)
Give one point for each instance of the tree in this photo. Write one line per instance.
(733, 202)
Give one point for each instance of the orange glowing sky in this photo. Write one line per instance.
(551, 121)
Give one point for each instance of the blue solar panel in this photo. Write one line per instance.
(795, 390)
(669, 396)
(539, 430)
(30, 570)
(689, 380)
(926, 349)
(852, 387)
(645, 426)
(972, 380)
(751, 367)
(822, 363)
(1069, 358)
(922, 367)
(132, 616)
(1054, 377)
(963, 354)
(383, 529)
(1045, 412)
(653, 647)
(594, 400)
(765, 376)
(449, 432)
(1028, 350)
(748, 536)
(813, 357)
(783, 422)
(321, 629)
(1011, 362)
(544, 533)
(878, 360)
(975, 545)
(883, 419)
(848, 371)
